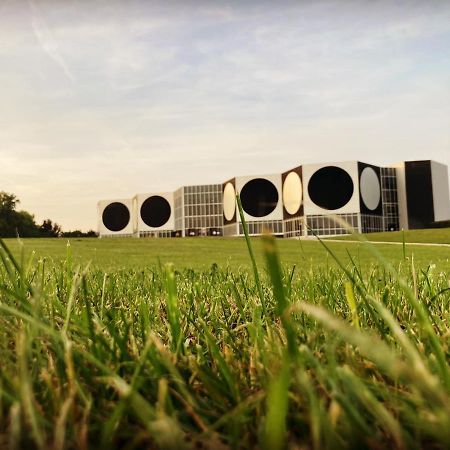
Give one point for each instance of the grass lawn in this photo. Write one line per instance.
(201, 253)
(432, 236)
(222, 359)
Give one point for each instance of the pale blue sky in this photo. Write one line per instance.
(105, 99)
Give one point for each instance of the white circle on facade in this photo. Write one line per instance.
(292, 193)
(370, 189)
(229, 201)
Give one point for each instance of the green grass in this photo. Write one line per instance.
(347, 350)
(432, 236)
(201, 253)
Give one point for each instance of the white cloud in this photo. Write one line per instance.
(154, 95)
(47, 41)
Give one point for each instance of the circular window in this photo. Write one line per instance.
(116, 216)
(155, 211)
(369, 186)
(259, 197)
(330, 187)
(229, 201)
(292, 193)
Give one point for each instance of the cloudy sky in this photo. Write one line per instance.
(104, 99)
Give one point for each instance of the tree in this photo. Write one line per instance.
(26, 225)
(12, 222)
(7, 209)
(79, 233)
(21, 223)
(8, 201)
(50, 229)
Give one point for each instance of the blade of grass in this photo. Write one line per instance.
(275, 427)
(252, 256)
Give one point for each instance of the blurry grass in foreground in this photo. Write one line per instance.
(328, 357)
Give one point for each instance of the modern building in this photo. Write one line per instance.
(342, 195)
(198, 210)
(154, 215)
(311, 199)
(115, 218)
(423, 195)
(261, 203)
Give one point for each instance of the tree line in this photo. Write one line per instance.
(21, 223)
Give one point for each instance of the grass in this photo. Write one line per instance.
(347, 350)
(201, 253)
(431, 236)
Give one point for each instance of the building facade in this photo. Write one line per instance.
(261, 203)
(199, 210)
(307, 200)
(115, 218)
(154, 215)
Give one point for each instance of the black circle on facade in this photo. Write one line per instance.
(155, 211)
(116, 216)
(259, 197)
(330, 187)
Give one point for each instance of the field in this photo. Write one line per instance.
(220, 350)
(201, 253)
(432, 236)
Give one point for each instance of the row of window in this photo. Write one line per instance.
(211, 231)
(202, 210)
(328, 226)
(390, 220)
(157, 234)
(203, 199)
(370, 224)
(389, 196)
(205, 188)
(329, 232)
(388, 182)
(293, 227)
(390, 210)
(203, 221)
(271, 226)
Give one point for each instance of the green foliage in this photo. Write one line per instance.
(165, 357)
(21, 223)
(26, 226)
(12, 222)
(79, 234)
(8, 202)
(49, 229)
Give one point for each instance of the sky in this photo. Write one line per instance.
(106, 99)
